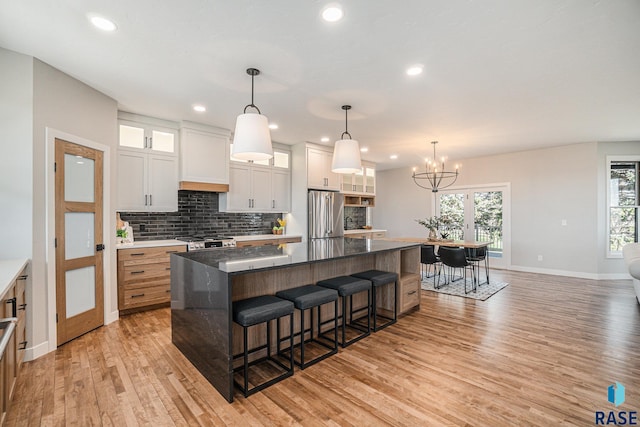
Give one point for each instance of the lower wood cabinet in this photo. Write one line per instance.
(144, 277)
(409, 289)
(265, 242)
(13, 305)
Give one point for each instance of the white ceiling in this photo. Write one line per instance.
(498, 76)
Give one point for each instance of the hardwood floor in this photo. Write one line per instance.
(542, 352)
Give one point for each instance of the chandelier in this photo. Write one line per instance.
(435, 177)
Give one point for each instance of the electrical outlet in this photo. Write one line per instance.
(539, 257)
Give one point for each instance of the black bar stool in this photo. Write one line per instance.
(378, 279)
(253, 311)
(347, 286)
(306, 298)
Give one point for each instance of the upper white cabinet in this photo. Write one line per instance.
(204, 157)
(260, 186)
(147, 164)
(362, 182)
(319, 175)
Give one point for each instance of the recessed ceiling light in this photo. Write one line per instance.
(200, 108)
(364, 149)
(324, 139)
(393, 156)
(332, 13)
(103, 23)
(414, 70)
(273, 126)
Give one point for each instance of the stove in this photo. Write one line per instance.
(195, 243)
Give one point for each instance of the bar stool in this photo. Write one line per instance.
(347, 286)
(253, 311)
(306, 298)
(378, 279)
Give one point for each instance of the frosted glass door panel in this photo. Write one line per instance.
(79, 238)
(131, 136)
(78, 178)
(162, 141)
(80, 290)
(280, 159)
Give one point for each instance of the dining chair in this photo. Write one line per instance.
(476, 256)
(429, 258)
(455, 258)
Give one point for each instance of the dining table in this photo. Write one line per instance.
(473, 245)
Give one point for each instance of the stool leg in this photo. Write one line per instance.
(369, 309)
(344, 318)
(374, 307)
(302, 336)
(246, 362)
(395, 300)
(278, 336)
(335, 326)
(291, 342)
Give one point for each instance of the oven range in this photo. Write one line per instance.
(195, 243)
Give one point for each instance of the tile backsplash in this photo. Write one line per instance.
(354, 217)
(198, 214)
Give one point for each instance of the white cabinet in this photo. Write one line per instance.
(259, 187)
(362, 182)
(147, 166)
(147, 182)
(319, 175)
(204, 157)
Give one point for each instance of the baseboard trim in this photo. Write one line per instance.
(111, 317)
(32, 353)
(577, 274)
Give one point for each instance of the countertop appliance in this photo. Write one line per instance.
(326, 214)
(195, 243)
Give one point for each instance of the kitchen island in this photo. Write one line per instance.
(205, 283)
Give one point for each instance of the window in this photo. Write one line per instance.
(623, 202)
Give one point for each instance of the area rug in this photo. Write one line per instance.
(457, 288)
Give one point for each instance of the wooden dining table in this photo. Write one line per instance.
(468, 244)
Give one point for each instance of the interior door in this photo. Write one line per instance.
(479, 214)
(79, 259)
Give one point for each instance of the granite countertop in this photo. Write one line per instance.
(363, 230)
(9, 271)
(264, 237)
(242, 260)
(150, 244)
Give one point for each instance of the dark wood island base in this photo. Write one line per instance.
(205, 283)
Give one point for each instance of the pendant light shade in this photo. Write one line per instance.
(252, 138)
(346, 152)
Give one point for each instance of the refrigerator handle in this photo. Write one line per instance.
(329, 231)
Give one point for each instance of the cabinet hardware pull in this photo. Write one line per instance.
(12, 301)
(22, 307)
(145, 200)
(412, 292)
(168, 291)
(137, 272)
(23, 277)
(168, 268)
(150, 199)
(145, 142)
(171, 252)
(137, 295)
(24, 345)
(249, 202)
(273, 204)
(137, 254)
(151, 142)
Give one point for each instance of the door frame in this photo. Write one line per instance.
(506, 212)
(109, 288)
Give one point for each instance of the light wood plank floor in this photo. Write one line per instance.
(540, 352)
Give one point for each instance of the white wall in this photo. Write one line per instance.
(16, 143)
(547, 186)
(63, 103)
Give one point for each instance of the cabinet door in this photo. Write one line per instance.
(131, 181)
(239, 195)
(333, 179)
(163, 184)
(370, 180)
(316, 177)
(281, 191)
(261, 188)
(205, 157)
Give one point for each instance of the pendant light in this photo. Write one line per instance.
(346, 152)
(252, 139)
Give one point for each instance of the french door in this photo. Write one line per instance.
(79, 256)
(481, 214)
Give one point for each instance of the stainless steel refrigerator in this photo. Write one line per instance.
(326, 214)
